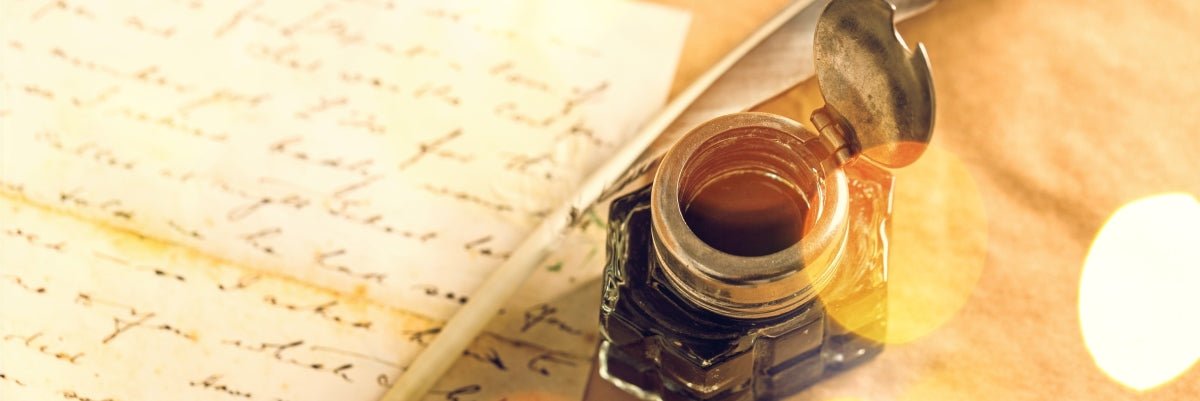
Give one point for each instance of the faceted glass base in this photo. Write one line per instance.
(658, 346)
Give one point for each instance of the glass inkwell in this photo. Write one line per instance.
(724, 273)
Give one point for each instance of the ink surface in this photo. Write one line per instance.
(747, 213)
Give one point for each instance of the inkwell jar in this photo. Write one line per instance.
(755, 263)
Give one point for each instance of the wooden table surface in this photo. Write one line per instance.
(1051, 115)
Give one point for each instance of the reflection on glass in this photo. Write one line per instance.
(937, 249)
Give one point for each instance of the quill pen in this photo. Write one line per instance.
(775, 57)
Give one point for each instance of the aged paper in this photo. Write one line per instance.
(92, 313)
(283, 200)
(396, 149)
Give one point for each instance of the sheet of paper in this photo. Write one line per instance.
(393, 149)
(281, 200)
(93, 313)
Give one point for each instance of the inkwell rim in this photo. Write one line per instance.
(748, 286)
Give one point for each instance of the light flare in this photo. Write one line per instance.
(1140, 290)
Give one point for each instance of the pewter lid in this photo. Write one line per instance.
(878, 89)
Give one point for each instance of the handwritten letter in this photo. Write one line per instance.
(380, 146)
(103, 314)
(284, 200)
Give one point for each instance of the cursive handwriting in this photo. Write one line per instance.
(36, 342)
(329, 174)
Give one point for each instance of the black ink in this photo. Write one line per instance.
(491, 356)
(288, 147)
(5, 377)
(540, 363)
(545, 314)
(431, 147)
(86, 299)
(31, 342)
(279, 353)
(254, 239)
(188, 232)
(17, 280)
(135, 319)
(163, 273)
(71, 395)
(212, 382)
(294, 201)
(477, 246)
(453, 395)
(323, 260)
(421, 336)
(467, 197)
(434, 291)
(91, 151)
(343, 207)
(322, 310)
(121, 326)
(34, 239)
(242, 282)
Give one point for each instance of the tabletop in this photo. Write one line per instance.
(1051, 116)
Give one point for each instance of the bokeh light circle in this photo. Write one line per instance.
(1140, 290)
(937, 247)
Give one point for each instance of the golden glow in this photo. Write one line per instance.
(938, 244)
(937, 247)
(1139, 293)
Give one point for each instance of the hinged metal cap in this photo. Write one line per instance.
(881, 92)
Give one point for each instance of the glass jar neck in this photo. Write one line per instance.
(746, 221)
